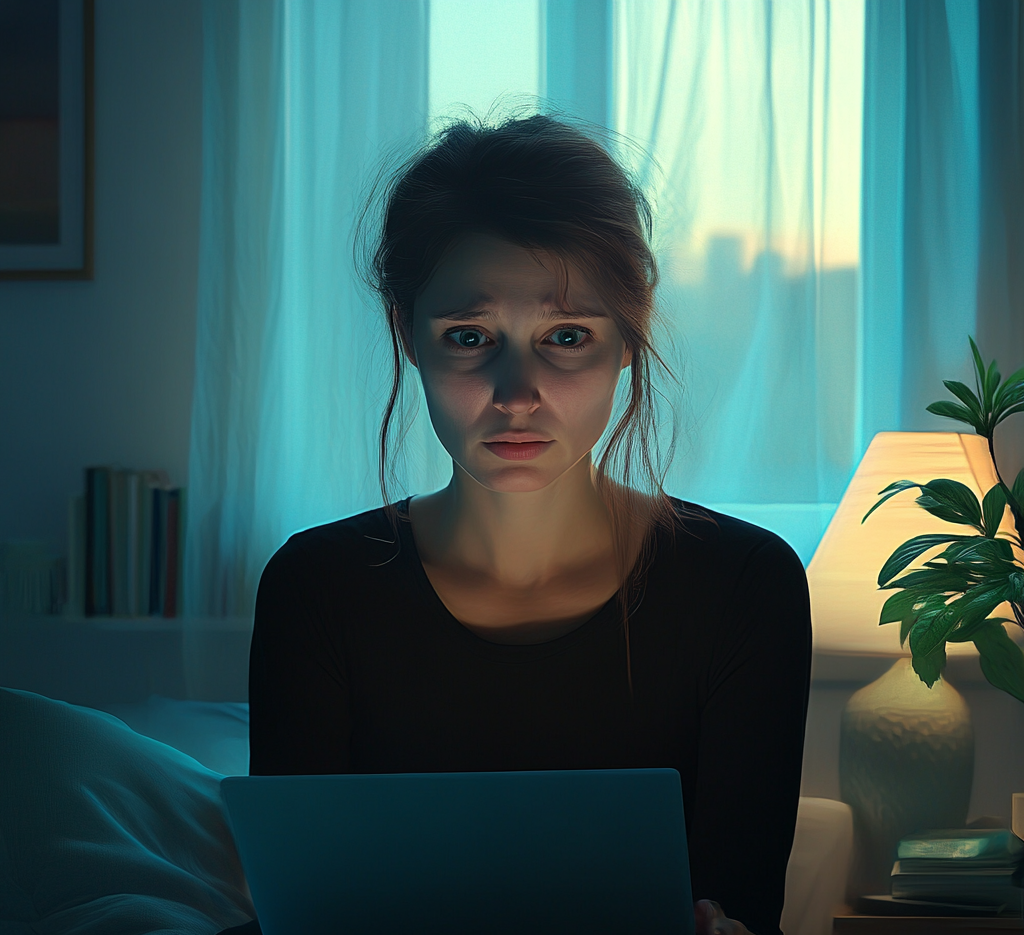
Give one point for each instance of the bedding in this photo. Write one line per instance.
(104, 831)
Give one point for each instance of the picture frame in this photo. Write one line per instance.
(46, 140)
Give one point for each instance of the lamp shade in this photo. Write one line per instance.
(843, 574)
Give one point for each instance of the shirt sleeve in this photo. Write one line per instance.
(299, 712)
(750, 750)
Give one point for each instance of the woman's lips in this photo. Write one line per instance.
(517, 451)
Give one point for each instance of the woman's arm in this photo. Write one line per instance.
(751, 744)
(298, 693)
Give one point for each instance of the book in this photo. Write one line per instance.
(961, 844)
(158, 552)
(170, 592)
(148, 480)
(182, 513)
(970, 887)
(118, 542)
(75, 605)
(97, 538)
(132, 544)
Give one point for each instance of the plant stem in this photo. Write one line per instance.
(1011, 501)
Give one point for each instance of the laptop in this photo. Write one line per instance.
(537, 852)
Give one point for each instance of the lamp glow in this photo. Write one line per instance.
(843, 574)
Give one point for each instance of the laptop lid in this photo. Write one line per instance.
(546, 851)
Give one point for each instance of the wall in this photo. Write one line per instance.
(101, 371)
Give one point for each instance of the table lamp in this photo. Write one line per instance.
(843, 574)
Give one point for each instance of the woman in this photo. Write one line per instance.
(535, 613)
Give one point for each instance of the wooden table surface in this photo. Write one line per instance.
(848, 922)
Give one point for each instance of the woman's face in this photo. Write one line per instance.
(518, 389)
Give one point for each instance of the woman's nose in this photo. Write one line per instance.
(515, 392)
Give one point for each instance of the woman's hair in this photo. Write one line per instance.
(546, 186)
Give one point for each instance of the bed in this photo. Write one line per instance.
(111, 822)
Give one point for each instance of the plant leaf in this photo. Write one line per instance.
(1009, 394)
(955, 411)
(966, 634)
(930, 606)
(891, 491)
(975, 550)
(1017, 491)
(992, 379)
(966, 395)
(898, 606)
(1001, 660)
(975, 605)
(929, 631)
(1009, 412)
(1012, 385)
(979, 366)
(910, 550)
(951, 501)
(929, 667)
(937, 580)
(1015, 587)
(992, 508)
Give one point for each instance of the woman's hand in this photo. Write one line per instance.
(712, 921)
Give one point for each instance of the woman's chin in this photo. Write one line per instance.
(516, 478)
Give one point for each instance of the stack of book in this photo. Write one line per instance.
(965, 866)
(127, 540)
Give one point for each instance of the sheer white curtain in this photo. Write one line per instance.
(301, 102)
(751, 113)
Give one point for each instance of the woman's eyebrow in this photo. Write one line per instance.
(473, 311)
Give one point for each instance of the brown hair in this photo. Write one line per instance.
(545, 185)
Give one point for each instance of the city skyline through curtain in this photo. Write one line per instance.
(752, 118)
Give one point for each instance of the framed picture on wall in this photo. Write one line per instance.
(46, 139)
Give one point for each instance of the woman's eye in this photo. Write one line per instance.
(467, 338)
(569, 337)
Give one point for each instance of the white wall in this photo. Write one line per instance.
(101, 371)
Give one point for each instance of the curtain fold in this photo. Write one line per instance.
(942, 232)
(301, 101)
(1001, 165)
(920, 209)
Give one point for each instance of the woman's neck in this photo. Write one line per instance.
(520, 540)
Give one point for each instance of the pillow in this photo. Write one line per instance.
(818, 865)
(106, 832)
(216, 733)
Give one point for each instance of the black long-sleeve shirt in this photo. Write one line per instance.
(356, 666)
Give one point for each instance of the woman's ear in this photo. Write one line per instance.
(404, 330)
(627, 358)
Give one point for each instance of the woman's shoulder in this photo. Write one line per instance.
(700, 530)
(363, 540)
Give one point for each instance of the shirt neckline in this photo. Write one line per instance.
(603, 617)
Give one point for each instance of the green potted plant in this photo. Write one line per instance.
(950, 597)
